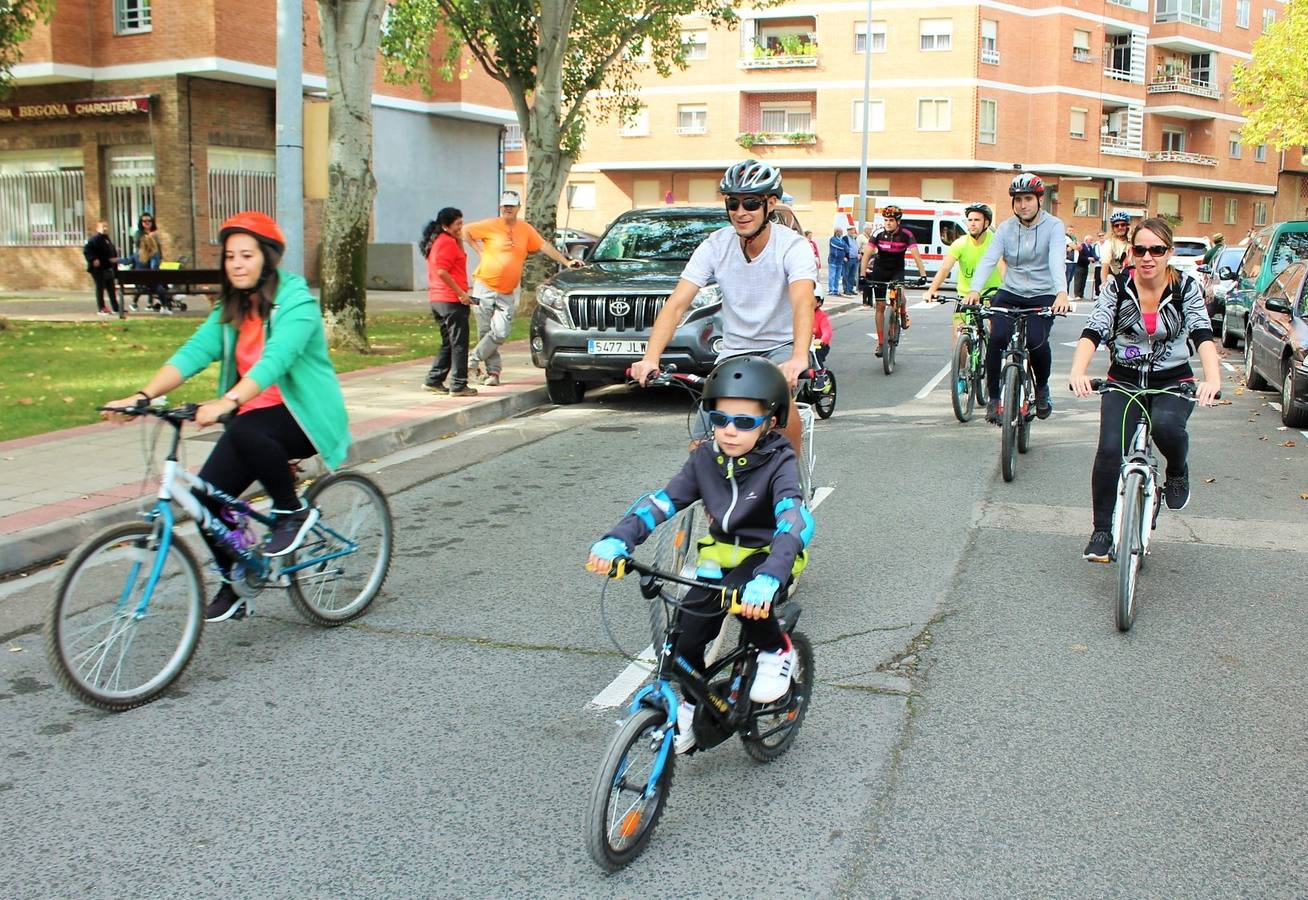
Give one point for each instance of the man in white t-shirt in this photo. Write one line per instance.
(767, 276)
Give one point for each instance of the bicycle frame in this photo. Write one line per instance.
(1140, 458)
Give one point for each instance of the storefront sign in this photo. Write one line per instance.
(75, 109)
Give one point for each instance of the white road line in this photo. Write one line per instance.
(1227, 366)
(1070, 343)
(931, 385)
(1304, 433)
(635, 673)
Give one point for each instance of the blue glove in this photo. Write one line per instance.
(760, 590)
(609, 549)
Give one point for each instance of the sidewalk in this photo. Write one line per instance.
(57, 489)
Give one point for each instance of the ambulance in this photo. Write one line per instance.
(935, 224)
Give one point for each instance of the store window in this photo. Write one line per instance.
(42, 199)
(240, 180)
(131, 16)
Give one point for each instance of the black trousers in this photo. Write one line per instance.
(104, 282)
(452, 360)
(1079, 280)
(1037, 339)
(1168, 415)
(257, 445)
(702, 619)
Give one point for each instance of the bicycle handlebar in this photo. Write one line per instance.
(618, 569)
(667, 375)
(173, 415)
(1185, 390)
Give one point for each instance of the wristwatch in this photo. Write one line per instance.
(231, 395)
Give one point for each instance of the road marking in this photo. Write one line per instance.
(630, 678)
(1070, 343)
(1227, 366)
(1274, 405)
(931, 385)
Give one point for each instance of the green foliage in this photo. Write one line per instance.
(1272, 87)
(17, 19)
(748, 139)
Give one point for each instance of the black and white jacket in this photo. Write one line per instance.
(1141, 358)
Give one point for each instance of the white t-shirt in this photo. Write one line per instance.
(756, 311)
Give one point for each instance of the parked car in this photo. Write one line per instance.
(1188, 252)
(592, 323)
(573, 243)
(1277, 341)
(1215, 288)
(1266, 256)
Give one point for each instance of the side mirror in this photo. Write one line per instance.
(1226, 274)
(1204, 268)
(1277, 305)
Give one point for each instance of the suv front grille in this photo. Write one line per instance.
(614, 312)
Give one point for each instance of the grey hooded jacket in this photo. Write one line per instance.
(1035, 256)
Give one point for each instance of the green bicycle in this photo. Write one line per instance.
(967, 368)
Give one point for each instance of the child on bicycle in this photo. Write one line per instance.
(759, 525)
(821, 333)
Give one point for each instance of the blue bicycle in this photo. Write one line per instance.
(129, 611)
(633, 783)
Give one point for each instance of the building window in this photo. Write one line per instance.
(692, 118)
(42, 199)
(1086, 202)
(933, 114)
(988, 124)
(1232, 207)
(989, 41)
(937, 189)
(791, 118)
(1242, 13)
(636, 125)
(512, 135)
(131, 16)
(1201, 68)
(1269, 16)
(581, 195)
(240, 180)
(696, 43)
(935, 34)
(800, 191)
(1119, 55)
(703, 190)
(1260, 153)
(878, 187)
(878, 31)
(1077, 127)
(1260, 212)
(1081, 45)
(876, 115)
(1173, 139)
(1169, 204)
(1205, 209)
(1233, 145)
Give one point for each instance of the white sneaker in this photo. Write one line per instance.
(685, 738)
(773, 677)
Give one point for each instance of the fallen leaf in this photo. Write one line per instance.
(1209, 480)
(1079, 648)
(69, 400)
(25, 401)
(15, 649)
(1282, 428)
(1287, 443)
(1303, 496)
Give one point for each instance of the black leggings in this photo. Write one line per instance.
(257, 445)
(1168, 415)
(702, 620)
(104, 284)
(1037, 339)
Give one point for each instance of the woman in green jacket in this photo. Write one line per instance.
(276, 380)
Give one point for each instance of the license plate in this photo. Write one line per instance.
(616, 348)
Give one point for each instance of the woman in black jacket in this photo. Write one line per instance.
(101, 259)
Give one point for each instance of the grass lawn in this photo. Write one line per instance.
(53, 374)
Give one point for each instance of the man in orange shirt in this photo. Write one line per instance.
(503, 244)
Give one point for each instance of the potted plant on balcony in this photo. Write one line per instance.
(748, 139)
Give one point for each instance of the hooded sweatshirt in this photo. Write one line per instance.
(1034, 256)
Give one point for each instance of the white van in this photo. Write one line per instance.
(936, 225)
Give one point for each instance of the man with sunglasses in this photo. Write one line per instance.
(883, 261)
(767, 276)
(1032, 245)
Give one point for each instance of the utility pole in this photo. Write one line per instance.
(290, 131)
(859, 204)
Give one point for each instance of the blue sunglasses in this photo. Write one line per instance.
(742, 423)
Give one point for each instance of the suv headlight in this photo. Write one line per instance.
(707, 296)
(551, 297)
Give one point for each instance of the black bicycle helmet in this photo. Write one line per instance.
(892, 212)
(980, 208)
(1027, 183)
(749, 176)
(749, 378)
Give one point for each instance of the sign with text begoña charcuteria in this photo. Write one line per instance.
(74, 109)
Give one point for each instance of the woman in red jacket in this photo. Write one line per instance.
(447, 292)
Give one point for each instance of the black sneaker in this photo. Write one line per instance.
(992, 412)
(1100, 548)
(289, 532)
(1044, 402)
(224, 605)
(436, 387)
(1177, 491)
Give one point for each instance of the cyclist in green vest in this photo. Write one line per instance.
(967, 252)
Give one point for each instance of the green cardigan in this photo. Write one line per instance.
(294, 358)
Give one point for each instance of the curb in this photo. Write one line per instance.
(47, 543)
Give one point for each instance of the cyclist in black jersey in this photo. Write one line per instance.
(883, 261)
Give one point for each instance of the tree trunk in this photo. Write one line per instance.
(350, 31)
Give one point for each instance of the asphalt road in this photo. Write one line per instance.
(979, 726)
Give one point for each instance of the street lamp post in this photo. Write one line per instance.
(859, 204)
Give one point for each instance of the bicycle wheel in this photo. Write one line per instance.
(1025, 415)
(118, 636)
(1008, 440)
(962, 389)
(353, 511)
(771, 735)
(824, 401)
(630, 791)
(1129, 550)
(892, 338)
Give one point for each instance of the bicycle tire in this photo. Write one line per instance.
(1008, 425)
(760, 749)
(892, 338)
(1024, 421)
(1129, 549)
(610, 784)
(824, 403)
(960, 379)
(330, 496)
(133, 548)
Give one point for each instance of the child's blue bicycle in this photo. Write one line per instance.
(130, 608)
(633, 782)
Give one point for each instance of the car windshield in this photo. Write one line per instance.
(656, 238)
(1292, 246)
(1230, 258)
(1186, 248)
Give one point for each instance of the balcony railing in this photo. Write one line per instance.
(749, 139)
(1118, 74)
(1183, 84)
(990, 56)
(803, 60)
(1213, 21)
(1080, 54)
(1112, 145)
(1180, 156)
(692, 129)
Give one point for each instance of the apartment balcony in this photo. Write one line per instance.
(1180, 156)
(692, 129)
(1113, 145)
(748, 139)
(1116, 74)
(1203, 13)
(1182, 84)
(802, 56)
(990, 56)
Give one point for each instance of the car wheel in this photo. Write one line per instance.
(565, 390)
(1230, 337)
(1293, 412)
(1252, 380)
